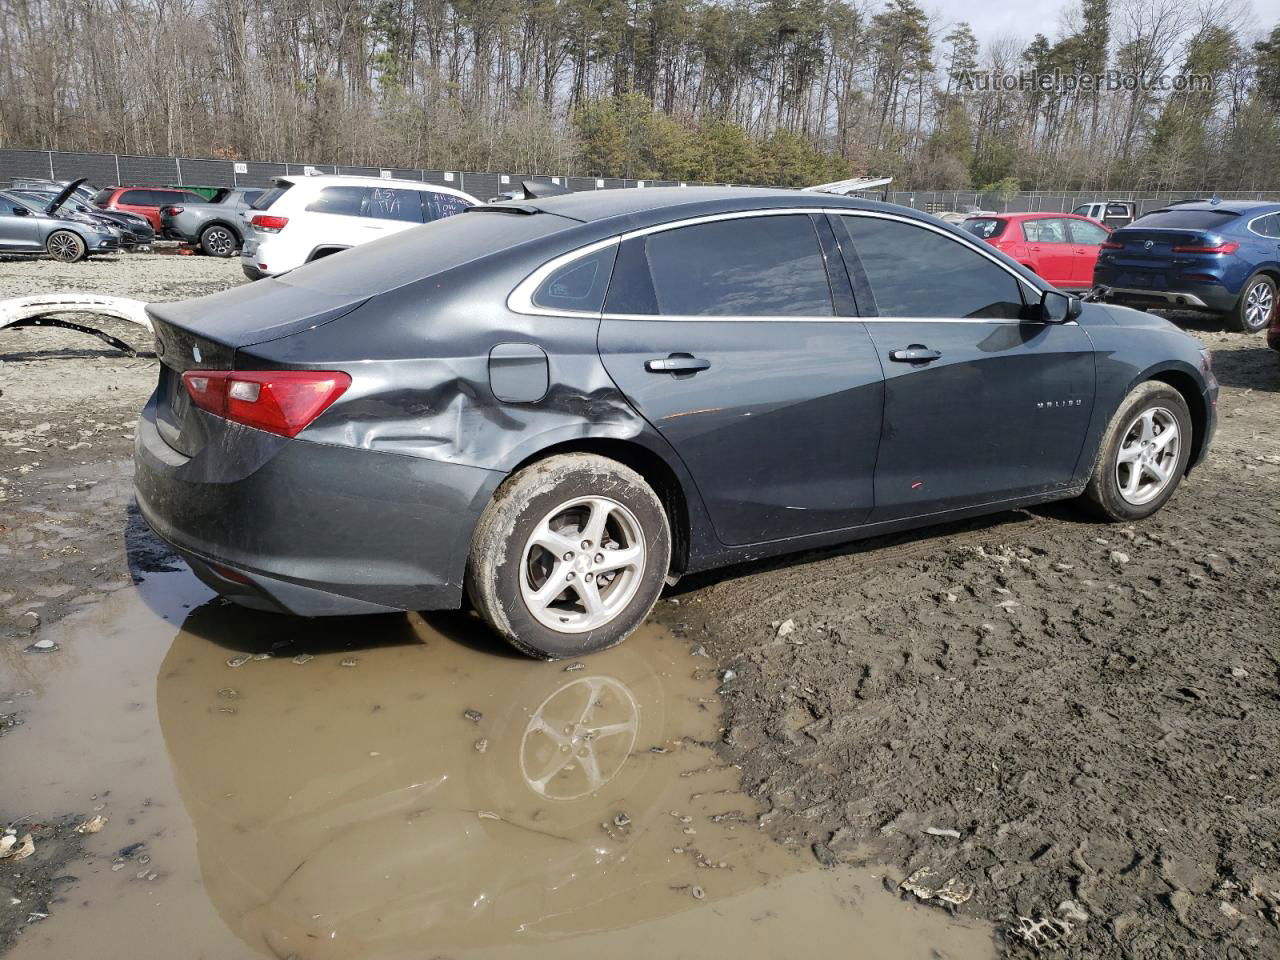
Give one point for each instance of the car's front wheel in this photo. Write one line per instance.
(1256, 306)
(65, 246)
(1144, 454)
(218, 241)
(570, 556)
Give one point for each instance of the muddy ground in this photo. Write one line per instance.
(1085, 716)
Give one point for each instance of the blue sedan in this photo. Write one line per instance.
(1218, 257)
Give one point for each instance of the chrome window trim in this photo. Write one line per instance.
(520, 300)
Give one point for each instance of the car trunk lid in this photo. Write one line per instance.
(206, 333)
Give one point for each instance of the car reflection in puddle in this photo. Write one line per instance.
(433, 793)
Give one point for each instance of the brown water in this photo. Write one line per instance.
(406, 788)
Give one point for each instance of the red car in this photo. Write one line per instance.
(1060, 247)
(144, 201)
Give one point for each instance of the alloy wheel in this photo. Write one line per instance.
(1148, 456)
(1258, 304)
(220, 242)
(582, 564)
(64, 247)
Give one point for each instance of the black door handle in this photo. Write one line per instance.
(677, 363)
(916, 353)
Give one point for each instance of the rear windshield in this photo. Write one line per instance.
(984, 227)
(265, 199)
(420, 252)
(1187, 219)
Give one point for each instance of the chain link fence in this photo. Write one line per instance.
(109, 169)
(105, 169)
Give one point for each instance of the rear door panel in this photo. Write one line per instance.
(780, 430)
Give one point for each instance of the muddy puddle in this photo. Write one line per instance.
(403, 787)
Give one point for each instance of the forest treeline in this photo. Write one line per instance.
(757, 91)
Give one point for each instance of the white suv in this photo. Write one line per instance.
(304, 218)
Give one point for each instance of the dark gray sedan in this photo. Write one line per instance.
(554, 406)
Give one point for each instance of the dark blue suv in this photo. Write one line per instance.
(1219, 257)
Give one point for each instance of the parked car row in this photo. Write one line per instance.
(1216, 257)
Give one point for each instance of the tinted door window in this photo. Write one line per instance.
(437, 206)
(136, 198)
(750, 267)
(342, 201)
(914, 272)
(386, 203)
(1089, 233)
(1045, 231)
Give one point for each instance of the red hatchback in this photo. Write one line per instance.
(144, 201)
(1061, 247)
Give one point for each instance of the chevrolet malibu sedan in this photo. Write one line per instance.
(551, 408)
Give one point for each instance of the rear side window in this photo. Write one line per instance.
(1267, 226)
(746, 267)
(185, 196)
(251, 196)
(1187, 219)
(1045, 231)
(268, 197)
(136, 198)
(436, 206)
(915, 272)
(988, 228)
(342, 201)
(1087, 233)
(579, 286)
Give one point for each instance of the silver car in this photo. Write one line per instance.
(215, 227)
(26, 227)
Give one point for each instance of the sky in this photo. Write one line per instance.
(1025, 18)
(995, 18)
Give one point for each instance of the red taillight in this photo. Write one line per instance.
(278, 401)
(1111, 245)
(173, 211)
(1229, 247)
(269, 223)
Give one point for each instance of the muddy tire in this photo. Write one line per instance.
(1143, 456)
(65, 246)
(570, 556)
(218, 241)
(1256, 306)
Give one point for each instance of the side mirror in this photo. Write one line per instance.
(21, 212)
(1058, 307)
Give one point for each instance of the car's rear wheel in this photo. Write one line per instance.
(65, 246)
(1144, 454)
(570, 556)
(217, 241)
(1256, 306)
